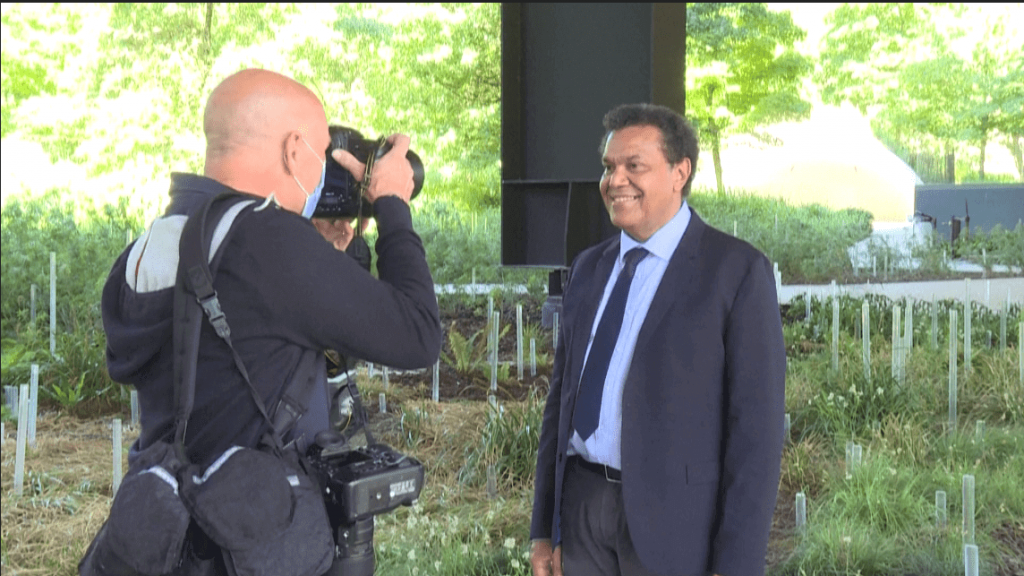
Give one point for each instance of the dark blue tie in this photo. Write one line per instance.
(588, 404)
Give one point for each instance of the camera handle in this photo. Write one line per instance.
(357, 408)
(341, 436)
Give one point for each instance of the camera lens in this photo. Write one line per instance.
(354, 555)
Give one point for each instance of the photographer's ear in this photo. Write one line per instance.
(290, 152)
(349, 162)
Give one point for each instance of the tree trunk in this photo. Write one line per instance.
(984, 142)
(1017, 150)
(716, 143)
(950, 163)
(981, 162)
(206, 56)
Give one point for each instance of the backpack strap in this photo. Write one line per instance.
(194, 295)
(194, 292)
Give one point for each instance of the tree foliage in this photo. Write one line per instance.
(742, 70)
(119, 89)
(435, 76)
(933, 76)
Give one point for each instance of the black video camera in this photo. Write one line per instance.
(342, 196)
(358, 483)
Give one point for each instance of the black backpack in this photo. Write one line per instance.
(253, 511)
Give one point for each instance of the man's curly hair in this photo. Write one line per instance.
(678, 139)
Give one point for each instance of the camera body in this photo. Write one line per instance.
(359, 479)
(361, 483)
(342, 195)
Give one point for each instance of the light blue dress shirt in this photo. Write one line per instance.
(604, 445)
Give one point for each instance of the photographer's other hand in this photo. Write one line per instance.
(545, 561)
(391, 175)
(337, 231)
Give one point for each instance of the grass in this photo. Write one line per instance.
(880, 521)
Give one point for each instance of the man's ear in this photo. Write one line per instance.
(680, 174)
(290, 151)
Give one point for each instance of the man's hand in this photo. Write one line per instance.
(337, 231)
(391, 175)
(545, 561)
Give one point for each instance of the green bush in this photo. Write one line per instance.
(509, 442)
(465, 246)
(809, 243)
(997, 246)
(848, 404)
(818, 328)
(86, 239)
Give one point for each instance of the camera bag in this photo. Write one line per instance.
(259, 506)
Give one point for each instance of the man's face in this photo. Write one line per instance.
(641, 190)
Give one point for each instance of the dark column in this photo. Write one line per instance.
(563, 67)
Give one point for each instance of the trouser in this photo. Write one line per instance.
(595, 536)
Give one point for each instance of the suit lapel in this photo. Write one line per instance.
(678, 281)
(581, 334)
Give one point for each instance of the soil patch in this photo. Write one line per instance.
(465, 372)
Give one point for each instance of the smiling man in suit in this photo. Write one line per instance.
(663, 430)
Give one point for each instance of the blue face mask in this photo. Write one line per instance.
(312, 199)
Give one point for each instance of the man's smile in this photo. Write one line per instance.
(622, 198)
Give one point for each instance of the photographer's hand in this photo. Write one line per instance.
(337, 231)
(392, 173)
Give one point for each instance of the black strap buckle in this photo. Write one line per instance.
(211, 306)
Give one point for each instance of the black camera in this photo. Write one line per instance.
(358, 483)
(342, 196)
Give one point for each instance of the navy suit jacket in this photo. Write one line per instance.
(702, 409)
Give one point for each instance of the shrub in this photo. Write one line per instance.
(85, 237)
(509, 442)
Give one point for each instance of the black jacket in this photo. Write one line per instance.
(284, 290)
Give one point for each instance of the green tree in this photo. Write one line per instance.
(164, 55)
(866, 47)
(40, 45)
(931, 75)
(125, 83)
(434, 75)
(24, 68)
(1009, 118)
(742, 71)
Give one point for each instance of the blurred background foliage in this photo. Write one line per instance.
(102, 101)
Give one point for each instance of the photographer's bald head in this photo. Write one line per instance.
(266, 134)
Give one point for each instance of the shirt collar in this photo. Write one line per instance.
(662, 243)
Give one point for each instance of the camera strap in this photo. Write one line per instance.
(195, 297)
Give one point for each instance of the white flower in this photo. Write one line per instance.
(465, 549)
(847, 539)
(515, 564)
(437, 565)
(510, 543)
(412, 554)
